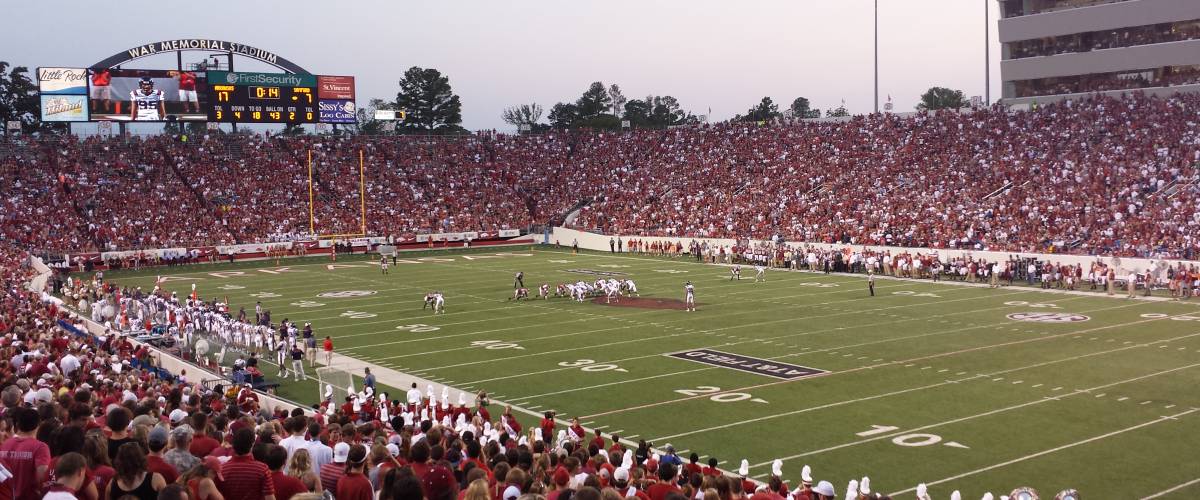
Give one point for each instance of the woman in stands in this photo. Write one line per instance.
(300, 467)
(199, 480)
(132, 478)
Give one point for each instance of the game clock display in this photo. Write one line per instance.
(262, 104)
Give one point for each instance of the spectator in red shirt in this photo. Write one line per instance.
(95, 450)
(354, 485)
(25, 457)
(285, 485)
(328, 346)
(693, 465)
(202, 443)
(439, 484)
(547, 426)
(598, 441)
(154, 461)
(245, 478)
(333, 471)
(666, 483)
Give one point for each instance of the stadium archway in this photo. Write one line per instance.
(180, 45)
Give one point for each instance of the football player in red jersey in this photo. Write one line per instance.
(187, 92)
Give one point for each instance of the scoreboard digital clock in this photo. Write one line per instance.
(262, 98)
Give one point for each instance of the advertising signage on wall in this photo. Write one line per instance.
(335, 87)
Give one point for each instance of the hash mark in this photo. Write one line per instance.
(1122, 398)
(1038, 385)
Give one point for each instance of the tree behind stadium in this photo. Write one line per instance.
(431, 105)
(942, 98)
(18, 97)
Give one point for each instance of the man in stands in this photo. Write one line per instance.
(26, 458)
(245, 478)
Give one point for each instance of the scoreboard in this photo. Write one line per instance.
(242, 97)
(262, 104)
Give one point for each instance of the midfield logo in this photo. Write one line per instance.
(747, 364)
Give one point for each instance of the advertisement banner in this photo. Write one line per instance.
(335, 87)
(64, 108)
(62, 81)
(385, 114)
(508, 233)
(336, 111)
(244, 78)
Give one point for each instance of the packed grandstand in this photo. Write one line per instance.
(1109, 176)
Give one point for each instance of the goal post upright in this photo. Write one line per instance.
(312, 229)
(362, 191)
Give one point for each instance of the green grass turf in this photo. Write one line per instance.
(927, 382)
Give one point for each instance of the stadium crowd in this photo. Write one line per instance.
(1105, 176)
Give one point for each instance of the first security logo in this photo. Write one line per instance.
(747, 364)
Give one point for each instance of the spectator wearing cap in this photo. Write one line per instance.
(26, 458)
(354, 484)
(245, 478)
(331, 472)
(671, 457)
(70, 473)
(178, 456)
(285, 485)
(177, 416)
(824, 491)
(439, 484)
(157, 441)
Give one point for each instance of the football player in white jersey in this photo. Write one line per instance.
(760, 273)
(146, 102)
(631, 289)
(689, 296)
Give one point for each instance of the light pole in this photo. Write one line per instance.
(876, 56)
(987, 58)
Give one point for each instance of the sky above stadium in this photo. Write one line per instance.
(718, 55)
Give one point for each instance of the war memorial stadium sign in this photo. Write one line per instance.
(235, 48)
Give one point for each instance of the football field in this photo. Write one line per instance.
(960, 387)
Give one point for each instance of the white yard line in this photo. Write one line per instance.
(979, 415)
(870, 367)
(904, 391)
(1055, 450)
(1172, 489)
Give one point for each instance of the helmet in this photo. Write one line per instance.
(146, 84)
